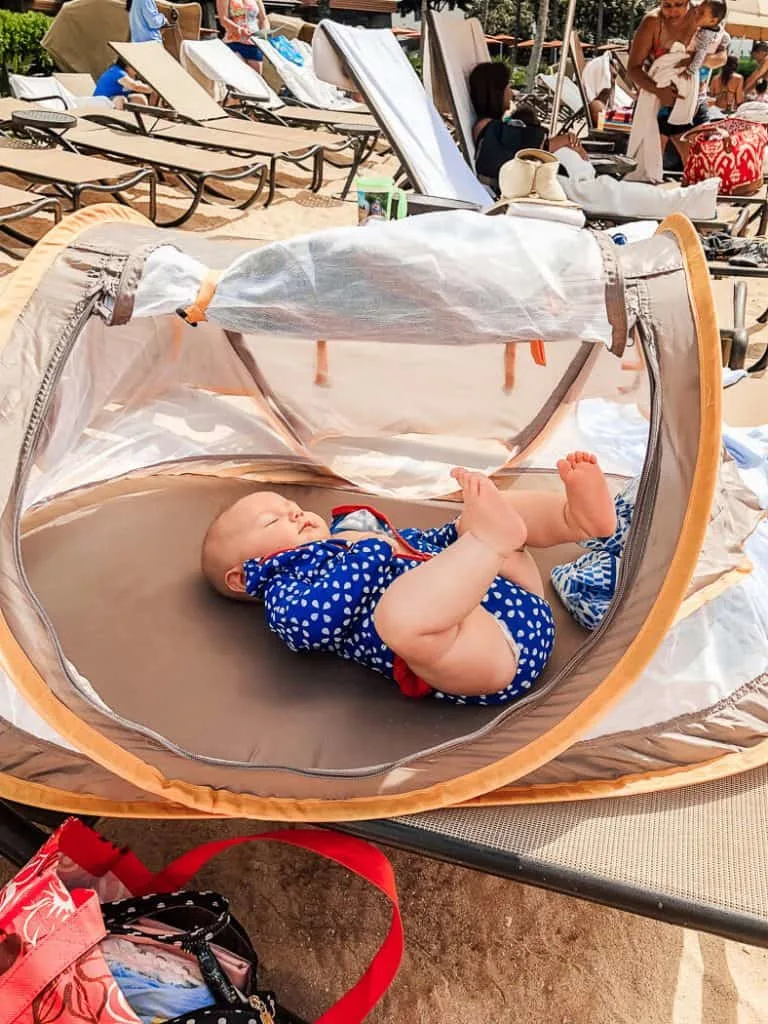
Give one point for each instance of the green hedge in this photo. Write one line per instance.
(20, 49)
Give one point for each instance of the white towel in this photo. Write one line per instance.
(644, 141)
(596, 76)
(538, 211)
(601, 194)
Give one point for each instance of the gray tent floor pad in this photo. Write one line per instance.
(367, 721)
(695, 856)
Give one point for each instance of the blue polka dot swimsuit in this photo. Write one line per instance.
(322, 597)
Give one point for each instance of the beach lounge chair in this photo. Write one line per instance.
(67, 174)
(16, 204)
(622, 98)
(574, 110)
(130, 429)
(52, 93)
(197, 170)
(186, 100)
(266, 150)
(238, 81)
(373, 63)
(302, 82)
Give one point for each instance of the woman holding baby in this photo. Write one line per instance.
(677, 24)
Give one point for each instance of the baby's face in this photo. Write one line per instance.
(255, 527)
(264, 523)
(705, 18)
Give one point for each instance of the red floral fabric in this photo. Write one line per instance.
(37, 913)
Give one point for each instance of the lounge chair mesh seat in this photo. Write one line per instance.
(128, 687)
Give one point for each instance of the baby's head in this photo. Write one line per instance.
(254, 527)
(761, 86)
(711, 13)
(526, 113)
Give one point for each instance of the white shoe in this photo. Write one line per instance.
(546, 183)
(546, 166)
(516, 178)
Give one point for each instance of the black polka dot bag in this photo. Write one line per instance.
(197, 926)
(89, 934)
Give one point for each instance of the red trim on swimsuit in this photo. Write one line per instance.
(412, 552)
(409, 684)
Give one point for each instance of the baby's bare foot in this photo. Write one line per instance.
(589, 506)
(488, 516)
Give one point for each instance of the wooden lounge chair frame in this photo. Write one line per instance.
(199, 183)
(72, 190)
(315, 152)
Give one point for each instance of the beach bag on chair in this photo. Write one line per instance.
(62, 914)
(732, 150)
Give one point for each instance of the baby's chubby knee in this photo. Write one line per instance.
(393, 622)
(398, 626)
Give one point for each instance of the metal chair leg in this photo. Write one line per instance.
(740, 335)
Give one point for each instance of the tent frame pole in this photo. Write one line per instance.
(569, 19)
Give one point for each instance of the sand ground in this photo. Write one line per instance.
(478, 949)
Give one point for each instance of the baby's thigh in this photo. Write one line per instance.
(473, 658)
(528, 620)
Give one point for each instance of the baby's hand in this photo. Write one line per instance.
(488, 516)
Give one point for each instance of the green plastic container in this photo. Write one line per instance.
(379, 199)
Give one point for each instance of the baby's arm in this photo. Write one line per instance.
(307, 610)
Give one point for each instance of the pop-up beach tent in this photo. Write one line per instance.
(150, 377)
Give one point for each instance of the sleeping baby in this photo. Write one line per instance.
(455, 612)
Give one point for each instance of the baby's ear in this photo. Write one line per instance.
(234, 580)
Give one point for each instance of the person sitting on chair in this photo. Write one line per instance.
(119, 83)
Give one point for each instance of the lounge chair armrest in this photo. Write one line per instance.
(144, 108)
(418, 203)
(44, 99)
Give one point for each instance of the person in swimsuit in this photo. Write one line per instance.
(673, 21)
(727, 87)
(759, 56)
(456, 612)
(243, 21)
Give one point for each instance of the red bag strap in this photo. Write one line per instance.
(357, 856)
(40, 965)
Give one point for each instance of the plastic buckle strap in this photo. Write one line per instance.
(197, 312)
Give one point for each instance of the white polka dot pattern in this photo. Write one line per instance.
(322, 596)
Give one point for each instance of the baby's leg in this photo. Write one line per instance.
(520, 568)
(432, 617)
(585, 510)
